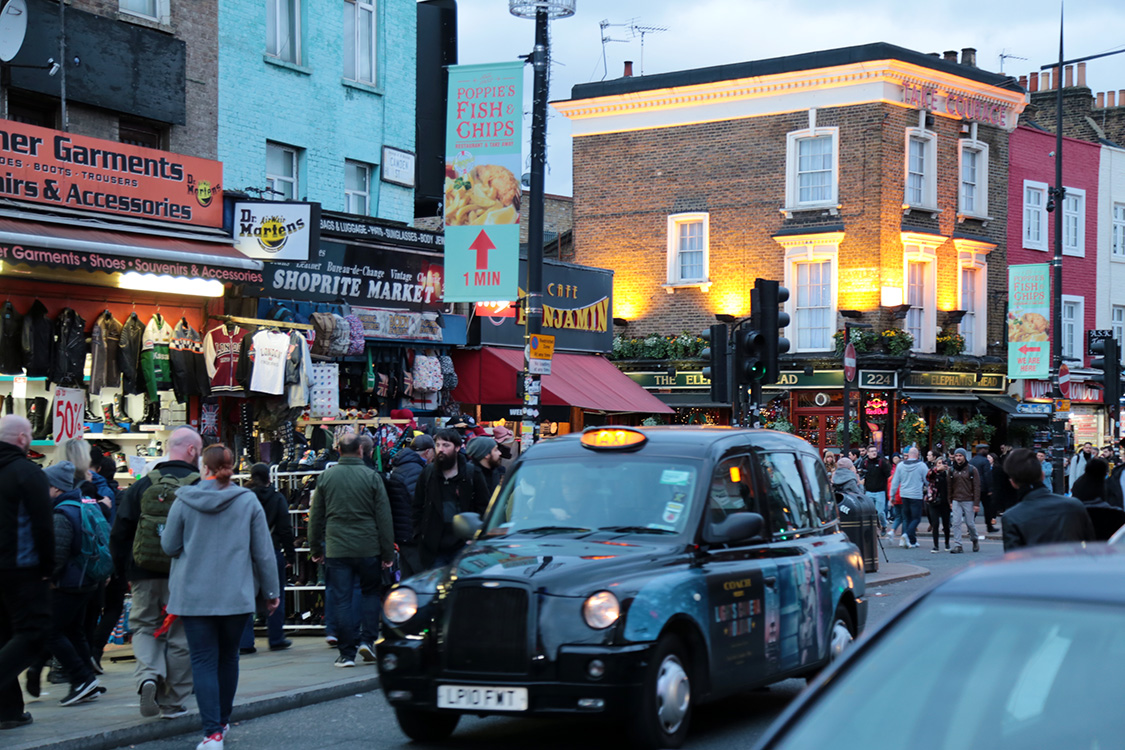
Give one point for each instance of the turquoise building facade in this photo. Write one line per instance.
(310, 92)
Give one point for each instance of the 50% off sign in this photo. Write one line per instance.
(67, 416)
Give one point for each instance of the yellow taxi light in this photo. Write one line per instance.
(612, 438)
(735, 474)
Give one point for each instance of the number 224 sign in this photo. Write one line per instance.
(67, 417)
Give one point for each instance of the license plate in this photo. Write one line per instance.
(484, 698)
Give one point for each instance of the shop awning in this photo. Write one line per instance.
(587, 381)
(690, 400)
(79, 246)
(1010, 406)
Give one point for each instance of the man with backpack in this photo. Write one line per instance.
(163, 670)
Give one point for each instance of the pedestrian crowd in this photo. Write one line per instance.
(73, 545)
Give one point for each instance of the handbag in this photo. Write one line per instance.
(448, 374)
(427, 373)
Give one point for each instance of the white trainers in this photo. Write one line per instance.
(902, 541)
(211, 742)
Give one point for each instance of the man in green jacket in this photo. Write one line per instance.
(350, 526)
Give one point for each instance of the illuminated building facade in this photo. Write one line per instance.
(864, 179)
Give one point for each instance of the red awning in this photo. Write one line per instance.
(588, 381)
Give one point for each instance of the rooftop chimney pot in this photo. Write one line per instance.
(628, 68)
(1033, 83)
(951, 55)
(1111, 99)
(1082, 74)
(1069, 76)
(969, 57)
(1101, 101)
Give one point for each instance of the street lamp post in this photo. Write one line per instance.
(542, 11)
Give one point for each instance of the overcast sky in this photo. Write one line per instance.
(701, 33)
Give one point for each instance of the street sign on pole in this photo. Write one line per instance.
(849, 362)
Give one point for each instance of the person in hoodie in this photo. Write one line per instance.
(845, 480)
(910, 481)
(484, 452)
(276, 508)
(409, 462)
(27, 556)
(73, 593)
(222, 559)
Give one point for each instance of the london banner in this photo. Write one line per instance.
(1029, 321)
(482, 184)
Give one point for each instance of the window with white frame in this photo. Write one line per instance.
(811, 274)
(973, 300)
(688, 236)
(156, 10)
(812, 159)
(1074, 222)
(1118, 237)
(359, 40)
(921, 168)
(1073, 328)
(1117, 325)
(283, 30)
(281, 171)
(357, 187)
(920, 292)
(1034, 215)
(973, 198)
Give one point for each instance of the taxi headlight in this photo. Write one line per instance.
(400, 605)
(601, 610)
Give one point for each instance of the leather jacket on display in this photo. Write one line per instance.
(11, 333)
(68, 351)
(105, 338)
(129, 355)
(189, 372)
(36, 341)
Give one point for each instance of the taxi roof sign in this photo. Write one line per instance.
(612, 438)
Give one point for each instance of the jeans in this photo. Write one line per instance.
(25, 618)
(963, 512)
(275, 623)
(330, 627)
(938, 512)
(911, 517)
(66, 640)
(213, 642)
(343, 572)
(880, 500)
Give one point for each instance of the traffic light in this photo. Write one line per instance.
(1110, 365)
(716, 355)
(770, 295)
(749, 347)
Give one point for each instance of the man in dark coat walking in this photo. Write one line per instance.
(1040, 516)
(448, 486)
(984, 468)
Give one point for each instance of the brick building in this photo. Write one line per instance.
(865, 179)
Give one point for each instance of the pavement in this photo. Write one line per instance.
(893, 572)
(269, 682)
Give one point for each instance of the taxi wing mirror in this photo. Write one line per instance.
(466, 525)
(737, 527)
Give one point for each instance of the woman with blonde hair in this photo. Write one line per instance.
(222, 560)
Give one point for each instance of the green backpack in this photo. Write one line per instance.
(156, 501)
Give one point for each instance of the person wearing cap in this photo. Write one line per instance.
(484, 452)
(507, 442)
(964, 496)
(409, 462)
(276, 508)
(66, 640)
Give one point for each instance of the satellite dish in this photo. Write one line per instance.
(13, 28)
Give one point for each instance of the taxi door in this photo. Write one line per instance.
(790, 526)
(740, 578)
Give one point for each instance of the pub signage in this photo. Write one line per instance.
(955, 381)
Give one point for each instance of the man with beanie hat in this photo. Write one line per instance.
(27, 555)
(964, 495)
(66, 640)
(484, 452)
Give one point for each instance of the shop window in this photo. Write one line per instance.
(1034, 215)
(137, 133)
(785, 492)
(31, 111)
(1118, 238)
(812, 168)
(283, 30)
(359, 41)
(156, 10)
(1074, 222)
(1117, 325)
(921, 169)
(973, 198)
(357, 188)
(282, 177)
(1073, 330)
(688, 237)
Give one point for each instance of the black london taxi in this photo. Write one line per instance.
(633, 572)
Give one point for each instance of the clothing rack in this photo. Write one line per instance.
(263, 322)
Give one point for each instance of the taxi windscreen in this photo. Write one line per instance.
(596, 492)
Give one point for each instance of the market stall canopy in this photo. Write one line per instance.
(587, 381)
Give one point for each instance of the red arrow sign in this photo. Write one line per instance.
(482, 244)
(1023, 349)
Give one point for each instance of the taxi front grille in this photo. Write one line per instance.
(487, 631)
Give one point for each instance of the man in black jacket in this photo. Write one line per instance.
(984, 468)
(448, 486)
(276, 508)
(409, 462)
(1115, 486)
(1040, 516)
(876, 472)
(27, 556)
(163, 670)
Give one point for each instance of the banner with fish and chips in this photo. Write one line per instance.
(482, 185)
(1029, 321)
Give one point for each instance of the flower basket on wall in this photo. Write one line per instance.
(950, 343)
(897, 341)
(863, 339)
(911, 430)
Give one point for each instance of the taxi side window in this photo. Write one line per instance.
(731, 490)
(785, 492)
(823, 498)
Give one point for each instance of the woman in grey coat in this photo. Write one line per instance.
(222, 559)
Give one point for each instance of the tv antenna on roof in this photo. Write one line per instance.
(605, 24)
(637, 30)
(1005, 56)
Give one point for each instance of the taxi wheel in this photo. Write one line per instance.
(842, 635)
(663, 712)
(426, 726)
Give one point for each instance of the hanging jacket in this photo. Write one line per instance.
(68, 349)
(298, 371)
(156, 363)
(105, 340)
(189, 372)
(220, 353)
(11, 335)
(129, 356)
(36, 341)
